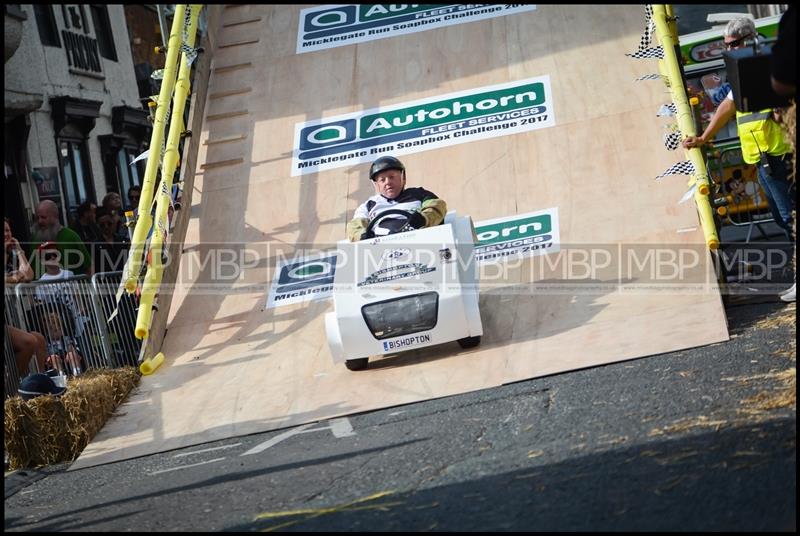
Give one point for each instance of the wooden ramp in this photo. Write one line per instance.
(234, 367)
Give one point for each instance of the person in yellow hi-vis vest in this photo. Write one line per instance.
(761, 136)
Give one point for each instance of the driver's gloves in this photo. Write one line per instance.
(417, 220)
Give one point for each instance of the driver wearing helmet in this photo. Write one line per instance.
(389, 177)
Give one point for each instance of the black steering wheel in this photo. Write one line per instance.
(398, 211)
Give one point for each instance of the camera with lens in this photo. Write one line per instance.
(749, 75)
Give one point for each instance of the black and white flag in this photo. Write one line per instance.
(188, 51)
(672, 140)
(649, 27)
(667, 110)
(656, 52)
(681, 168)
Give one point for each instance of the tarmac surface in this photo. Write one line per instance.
(701, 439)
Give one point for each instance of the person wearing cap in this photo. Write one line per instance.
(38, 385)
(388, 176)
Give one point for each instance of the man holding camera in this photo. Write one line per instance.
(762, 139)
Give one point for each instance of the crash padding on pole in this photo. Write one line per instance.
(149, 366)
(144, 223)
(155, 271)
(665, 31)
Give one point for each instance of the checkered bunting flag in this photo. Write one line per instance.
(656, 52)
(681, 168)
(190, 52)
(672, 140)
(667, 110)
(649, 26)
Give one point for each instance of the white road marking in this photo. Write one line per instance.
(185, 466)
(207, 450)
(339, 428)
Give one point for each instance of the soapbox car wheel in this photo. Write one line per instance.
(392, 211)
(357, 364)
(469, 342)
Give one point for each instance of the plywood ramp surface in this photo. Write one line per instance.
(234, 367)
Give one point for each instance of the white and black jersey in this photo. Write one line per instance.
(432, 208)
(410, 199)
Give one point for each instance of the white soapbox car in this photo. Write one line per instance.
(404, 291)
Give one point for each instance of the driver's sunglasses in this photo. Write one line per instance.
(736, 43)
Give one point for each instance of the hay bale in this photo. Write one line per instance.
(48, 430)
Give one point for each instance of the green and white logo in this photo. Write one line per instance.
(327, 27)
(302, 279)
(411, 127)
(526, 235)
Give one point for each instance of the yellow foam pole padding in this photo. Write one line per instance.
(149, 366)
(666, 34)
(152, 279)
(707, 220)
(153, 160)
(146, 299)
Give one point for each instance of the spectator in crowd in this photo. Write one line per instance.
(86, 226)
(61, 295)
(113, 203)
(26, 345)
(48, 228)
(134, 194)
(51, 258)
(18, 269)
(62, 350)
(110, 253)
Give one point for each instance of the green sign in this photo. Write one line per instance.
(524, 235)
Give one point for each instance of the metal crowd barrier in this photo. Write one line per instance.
(124, 345)
(73, 313)
(11, 377)
(742, 201)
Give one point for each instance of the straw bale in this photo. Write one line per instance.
(48, 430)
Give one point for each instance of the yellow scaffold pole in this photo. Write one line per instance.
(666, 32)
(155, 272)
(145, 221)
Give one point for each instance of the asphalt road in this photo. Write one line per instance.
(702, 439)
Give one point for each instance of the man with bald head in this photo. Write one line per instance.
(73, 253)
